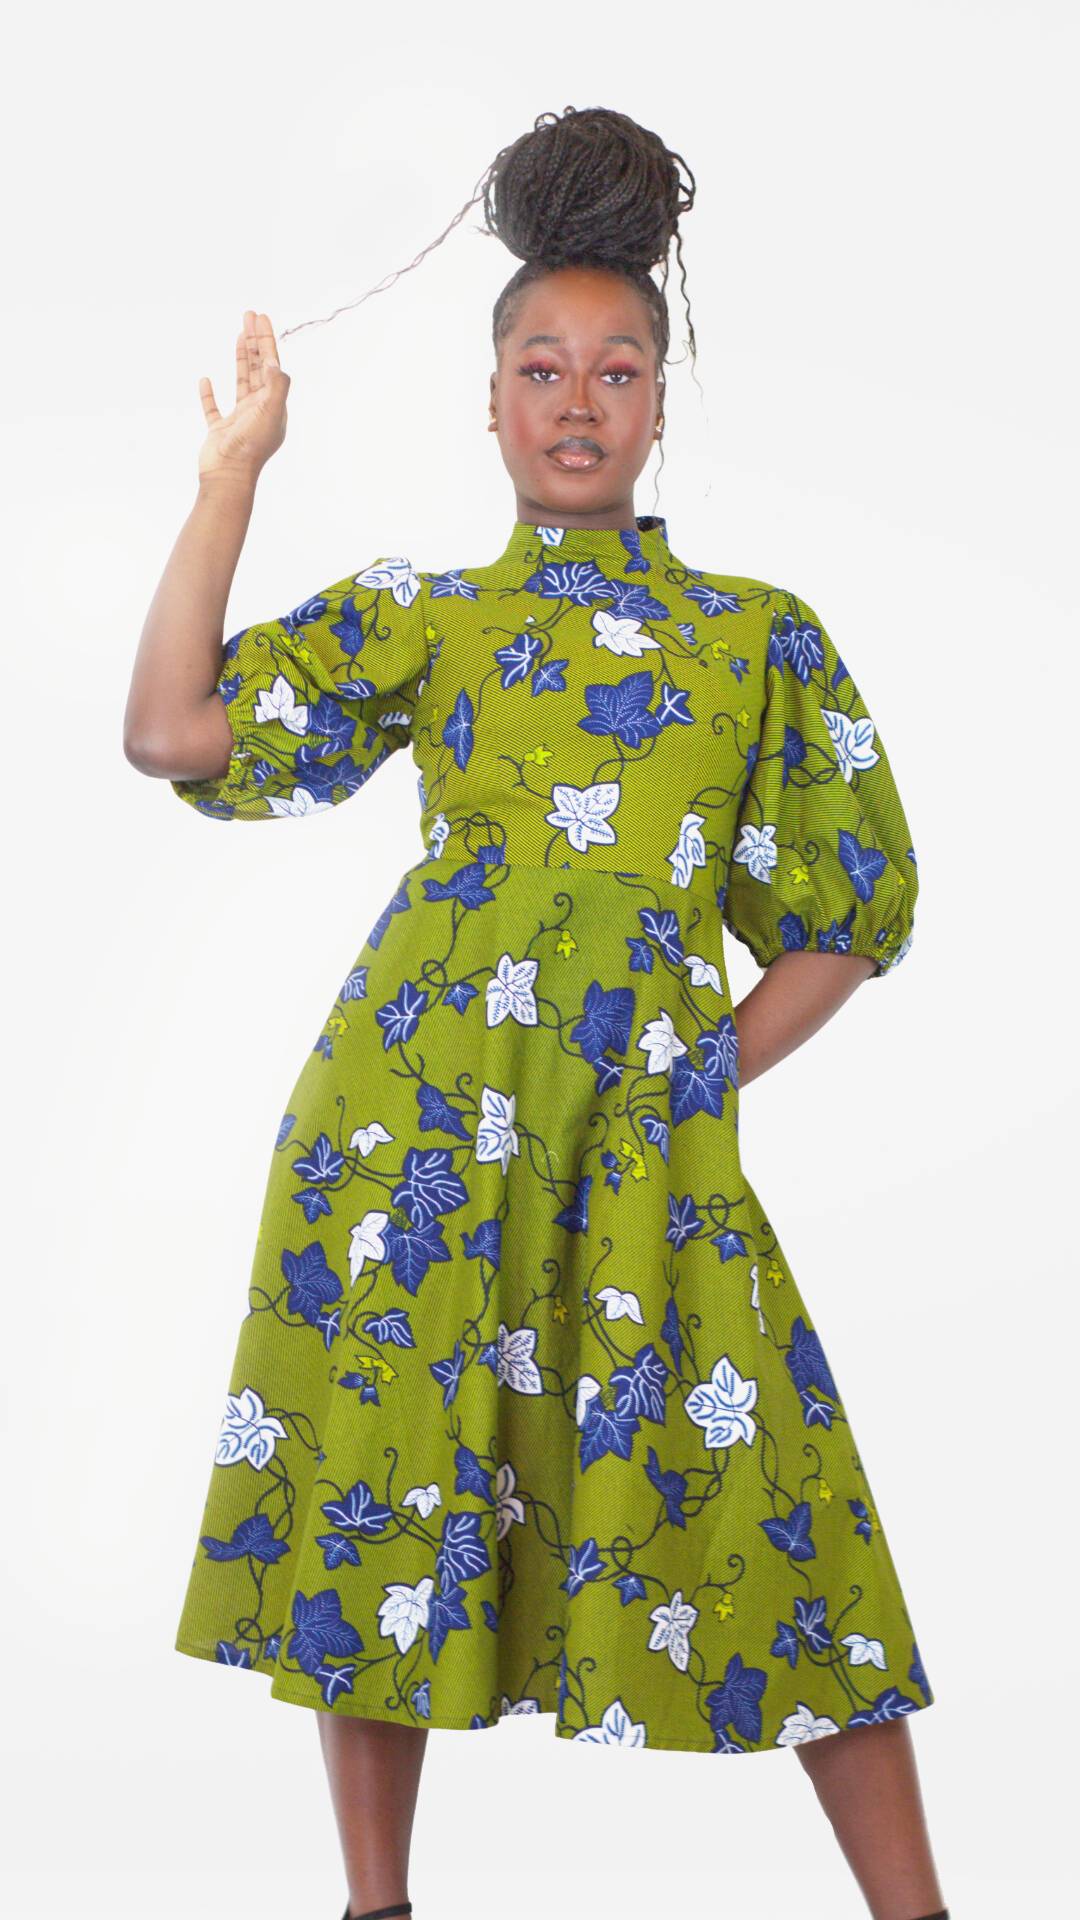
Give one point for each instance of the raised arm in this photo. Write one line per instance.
(175, 723)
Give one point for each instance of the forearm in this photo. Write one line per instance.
(175, 725)
(797, 994)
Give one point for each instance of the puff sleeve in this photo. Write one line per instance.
(319, 698)
(822, 859)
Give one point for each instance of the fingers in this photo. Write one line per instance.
(209, 404)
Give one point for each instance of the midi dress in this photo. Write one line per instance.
(527, 1413)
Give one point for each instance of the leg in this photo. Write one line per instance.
(374, 1771)
(867, 1782)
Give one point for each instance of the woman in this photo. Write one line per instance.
(527, 1413)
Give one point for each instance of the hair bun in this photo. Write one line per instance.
(590, 186)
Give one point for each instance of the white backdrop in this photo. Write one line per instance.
(880, 270)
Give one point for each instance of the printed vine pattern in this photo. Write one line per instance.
(527, 1412)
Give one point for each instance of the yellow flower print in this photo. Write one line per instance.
(566, 944)
(824, 1491)
(718, 648)
(540, 755)
(742, 717)
(774, 1272)
(635, 1160)
(800, 875)
(430, 634)
(335, 1024)
(725, 1606)
(558, 1308)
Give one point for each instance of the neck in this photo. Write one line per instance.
(633, 547)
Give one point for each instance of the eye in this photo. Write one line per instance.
(537, 366)
(623, 373)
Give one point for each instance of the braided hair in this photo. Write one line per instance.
(589, 187)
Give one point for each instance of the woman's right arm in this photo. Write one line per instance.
(175, 723)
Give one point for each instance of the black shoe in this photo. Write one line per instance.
(378, 1913)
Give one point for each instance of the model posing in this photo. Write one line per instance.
(527, 1412)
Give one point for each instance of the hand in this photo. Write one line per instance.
(243, 441)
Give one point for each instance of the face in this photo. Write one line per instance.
(578, 366)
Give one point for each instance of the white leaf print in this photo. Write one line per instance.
(302, 803)
(510, 992)
(722, 1405)
(496, 1136)
(508, 1507)
(583, 812)
(394, 572)
(405, 1610)
(248, 1432)
(689, 850)
(755, 1297)
(756, 850)
(804, 1725)
(527, 1704)
(861, 1650)
(672, 1630)
(365, 1138)
(515, 1362)
(587, 1389)
(853, 741)
(703, 973)
(620, 1306)
(616, 1729)
(439, 835)
(661, 1042)
(366, 1241)
(620, 636)
(551, 537)
(279, 702)
(424, 1499)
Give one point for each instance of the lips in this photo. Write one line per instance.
(575, 455)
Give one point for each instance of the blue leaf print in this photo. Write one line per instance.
(429, 1185)
(393, 1325)
(696, 1089)
(606, 1021)
(672, 707)
(865, 865)
(400, 1018)
(485, 1243)
(662, 925)
(806, 1360)
(810, 1622)
(792, 1535)
(459, 994)
(458, 729)
(606, 1430)
(436, 1111)
(466, 884)
(786, 1644)
(579, 581)
(890, 1704)
(463, 1552)
(448, 1372)
(576, 1215)
(447, 1609)
(472, 1477)
(640, 1388)
(735, 1703)
(633, 601)
(657, 1132)
(713, 601)
(411, 1254)
(518, 659)
(254, 1536)
(622, 709)
(671, 1486)
(359, 1512)
(800, 647)
(318, 1630)
(312, 1285)
(550, 677)
(585, 1564)
(672, 1333)
(337, 1551)
(324, 1164)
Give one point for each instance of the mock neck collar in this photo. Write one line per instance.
(631, 550)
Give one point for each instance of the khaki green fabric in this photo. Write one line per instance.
(527, 1412)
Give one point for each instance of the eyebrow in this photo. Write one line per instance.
(556, 340)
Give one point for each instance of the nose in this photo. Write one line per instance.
(578, 405)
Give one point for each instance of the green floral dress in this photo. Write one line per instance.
(527, 1413)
